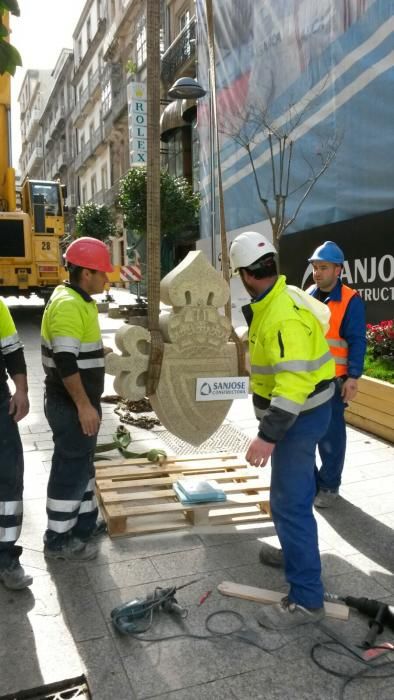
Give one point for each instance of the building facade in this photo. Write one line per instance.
(33, 95)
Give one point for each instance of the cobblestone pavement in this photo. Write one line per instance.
(61, 627)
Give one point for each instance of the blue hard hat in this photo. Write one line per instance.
(328, 252)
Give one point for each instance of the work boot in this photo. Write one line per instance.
(73, 549)
(271, 556)
(325, 499)
(287, 615)
(100, 528)
(14, 577)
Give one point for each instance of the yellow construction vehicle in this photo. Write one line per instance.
(30, 256)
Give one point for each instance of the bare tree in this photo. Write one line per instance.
(249, 127)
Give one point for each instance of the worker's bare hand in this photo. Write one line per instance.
(89, 419)
(19, 405)
(349, 389)
(259, 452)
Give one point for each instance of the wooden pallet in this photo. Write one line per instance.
(137, 497)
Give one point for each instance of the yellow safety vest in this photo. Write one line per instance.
(288, 353)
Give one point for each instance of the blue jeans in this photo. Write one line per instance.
(11, 486)
(332, 447)
(293, 489)
(71, 501)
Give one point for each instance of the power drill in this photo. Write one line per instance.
(136, 616)
(380, 614)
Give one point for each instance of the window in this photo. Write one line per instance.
(99, 10)
(82, 143)
(91, 133)
(106, 98)
(88, 31)
(93, 185)
(79, 49)
(100, 61)
(175, 154)
(184, 19)
(84, 194)
(141, 41)
(90, 76)
(195, 157)
(104, 178)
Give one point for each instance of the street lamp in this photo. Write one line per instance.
(190, 89)
(186, 88)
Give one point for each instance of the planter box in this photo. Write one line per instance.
(373, 408)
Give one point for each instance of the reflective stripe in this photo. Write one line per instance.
(91, 485)
(91, 347)
(48, 361)
(259, 412)
(66, 344)
(337, 343)
(293, 365)
(11, 507)
(61, 526)
(10, 534)
(286, 405)
(296, 408)
(340, 360)
(57, 505)
(89, 364)
(46, 343)
(88, 506)
(10, 343)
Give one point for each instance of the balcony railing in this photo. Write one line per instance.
(88, 95)
(58, 118)
(35, 159)
(111, 195)
(80, 67)
(179, 53)
(98, 197)
(32, 124)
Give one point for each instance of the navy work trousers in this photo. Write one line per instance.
(11, 486)
(293, 489)
(71, 501)
(332, 446)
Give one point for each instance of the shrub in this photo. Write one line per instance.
(380, 339)
(95, 220)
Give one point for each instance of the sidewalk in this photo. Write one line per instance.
(61, 628)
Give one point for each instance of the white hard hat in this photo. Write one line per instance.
(248, 247)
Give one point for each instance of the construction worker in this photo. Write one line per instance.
(73, 360)
(292, 380)
(12, 409)
(347, 340)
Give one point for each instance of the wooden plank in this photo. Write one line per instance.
(115, 511)
(184, 459)
(373, 402)
(376, 387)
(115, 471)
(249, 476)
(370, 426)
(114, 497)
(262, 595)
(376, 416)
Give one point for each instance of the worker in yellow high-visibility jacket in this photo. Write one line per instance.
(292, 379)
(73, 360)
(12, 409)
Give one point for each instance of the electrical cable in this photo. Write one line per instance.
(349, 677)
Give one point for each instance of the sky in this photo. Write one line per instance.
(43, 29)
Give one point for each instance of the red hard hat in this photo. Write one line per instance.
(90, 253)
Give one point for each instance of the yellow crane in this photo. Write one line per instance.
(30, 233)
